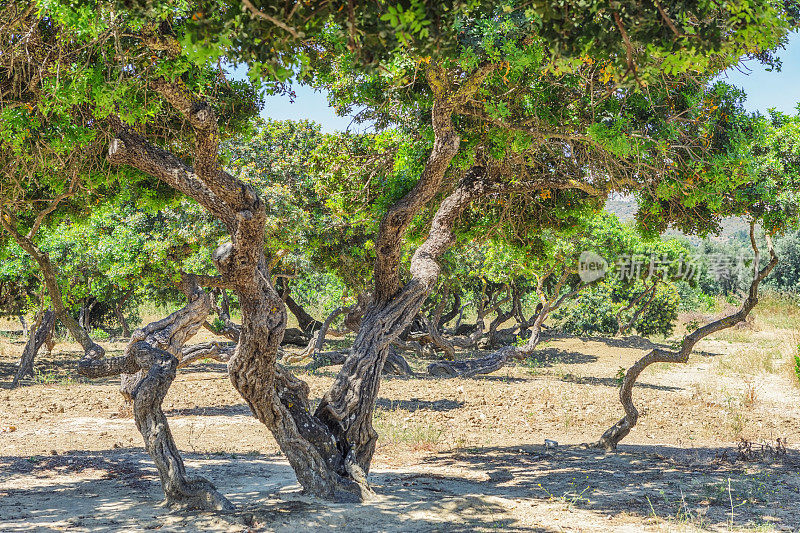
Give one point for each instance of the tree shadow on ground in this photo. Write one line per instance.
(521, 488)
(50, 370)
(614, 383)
(677, 485)
(411, 405)
(555, 356)
(631, 341)
(119, 489)
(415, 404)
(215, 410)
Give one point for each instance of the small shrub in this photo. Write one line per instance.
(797, 364)
(620, 377)
(660, 315)
(592, 313)
(100, 335)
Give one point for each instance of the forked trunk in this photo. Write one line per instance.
(147, 370)
(331, 450)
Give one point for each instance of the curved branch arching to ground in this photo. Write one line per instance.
(611, 438)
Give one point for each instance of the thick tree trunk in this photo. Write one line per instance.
(221, 352)
(348, 407)
(42, 329)
(148, 395)
(611, 438)
(147, 370)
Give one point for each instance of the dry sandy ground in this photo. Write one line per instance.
(454, 455)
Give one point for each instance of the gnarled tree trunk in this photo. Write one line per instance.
(329, 450)
(611, 438)
(147, 370)
(42, 329)
(217, 351)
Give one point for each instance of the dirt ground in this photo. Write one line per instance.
(453, 455)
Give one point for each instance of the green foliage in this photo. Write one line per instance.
(786, 275)
(797, 364)
(593, 313)
(658, 318)
(619, 378)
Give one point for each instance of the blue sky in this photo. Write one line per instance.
(765, 90)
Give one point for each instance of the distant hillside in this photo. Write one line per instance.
(625, 208)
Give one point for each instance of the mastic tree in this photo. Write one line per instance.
(495, 117)
(769, 199)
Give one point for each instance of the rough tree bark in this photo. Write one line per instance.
(355, 312)
(146, 371)
(611, 438)
(217, 351)
(42, 329)
(349, 405)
